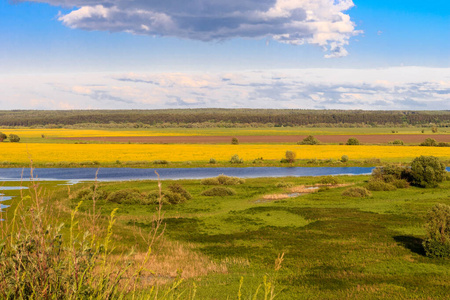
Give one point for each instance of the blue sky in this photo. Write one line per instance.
(92, 54)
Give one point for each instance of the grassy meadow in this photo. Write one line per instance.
(320, 245)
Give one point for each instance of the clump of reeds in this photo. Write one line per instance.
(41, 259)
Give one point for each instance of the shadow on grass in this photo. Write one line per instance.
(412, 243)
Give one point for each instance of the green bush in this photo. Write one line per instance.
(212, 161)
(442, 144)
(126, 196)
(85, 194)
(400, 183)
(160, 162)
(329, 180)
(427, 171)
(309, 140)
(236, 160)
(429, 142)
(290, 156)
(218, 191)
(173, 198)
(397, 142)
(234, 141)
(344, 158)
(388, 173)
(352, 141)
(14, 138)
(357, 192)
(179, 189)
(437, 241)
(379, 185)
(283, 184)
(2, 137)
(210, 181)
(222, 180)
(153, 197)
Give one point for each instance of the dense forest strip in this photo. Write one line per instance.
(224, 117)
(366, 139)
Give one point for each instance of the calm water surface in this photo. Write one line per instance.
(119, 174)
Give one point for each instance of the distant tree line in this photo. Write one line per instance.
(224, 117)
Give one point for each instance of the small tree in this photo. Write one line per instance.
(290, 156)
(234, 141)
(434, 129)
(236, 160)
(344, 158)
(437, 242)
(429, 142)
(352, 141)
(13, 138)
(427, 171)
(2, 137)
(309, 140)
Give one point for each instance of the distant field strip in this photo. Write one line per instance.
(71, 133)
(267, 139)
(43, 153)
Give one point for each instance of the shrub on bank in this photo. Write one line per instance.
(290, 156)
(329, 180)
(236, 160)
(427, 171)
(222, 180)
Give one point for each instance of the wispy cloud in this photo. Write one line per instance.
(318, 22)
(387, 89)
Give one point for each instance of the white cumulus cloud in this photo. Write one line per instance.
(318, 22)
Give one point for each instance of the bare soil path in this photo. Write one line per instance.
(268, 139)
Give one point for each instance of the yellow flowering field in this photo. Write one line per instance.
(109, 153)
(71, 133)
(58, 133)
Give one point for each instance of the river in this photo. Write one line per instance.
(120, 174)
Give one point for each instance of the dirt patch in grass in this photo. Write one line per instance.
(298, 191)
(325, 139)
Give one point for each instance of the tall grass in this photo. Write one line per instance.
(41, 259)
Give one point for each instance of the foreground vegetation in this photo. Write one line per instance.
(302, 244)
